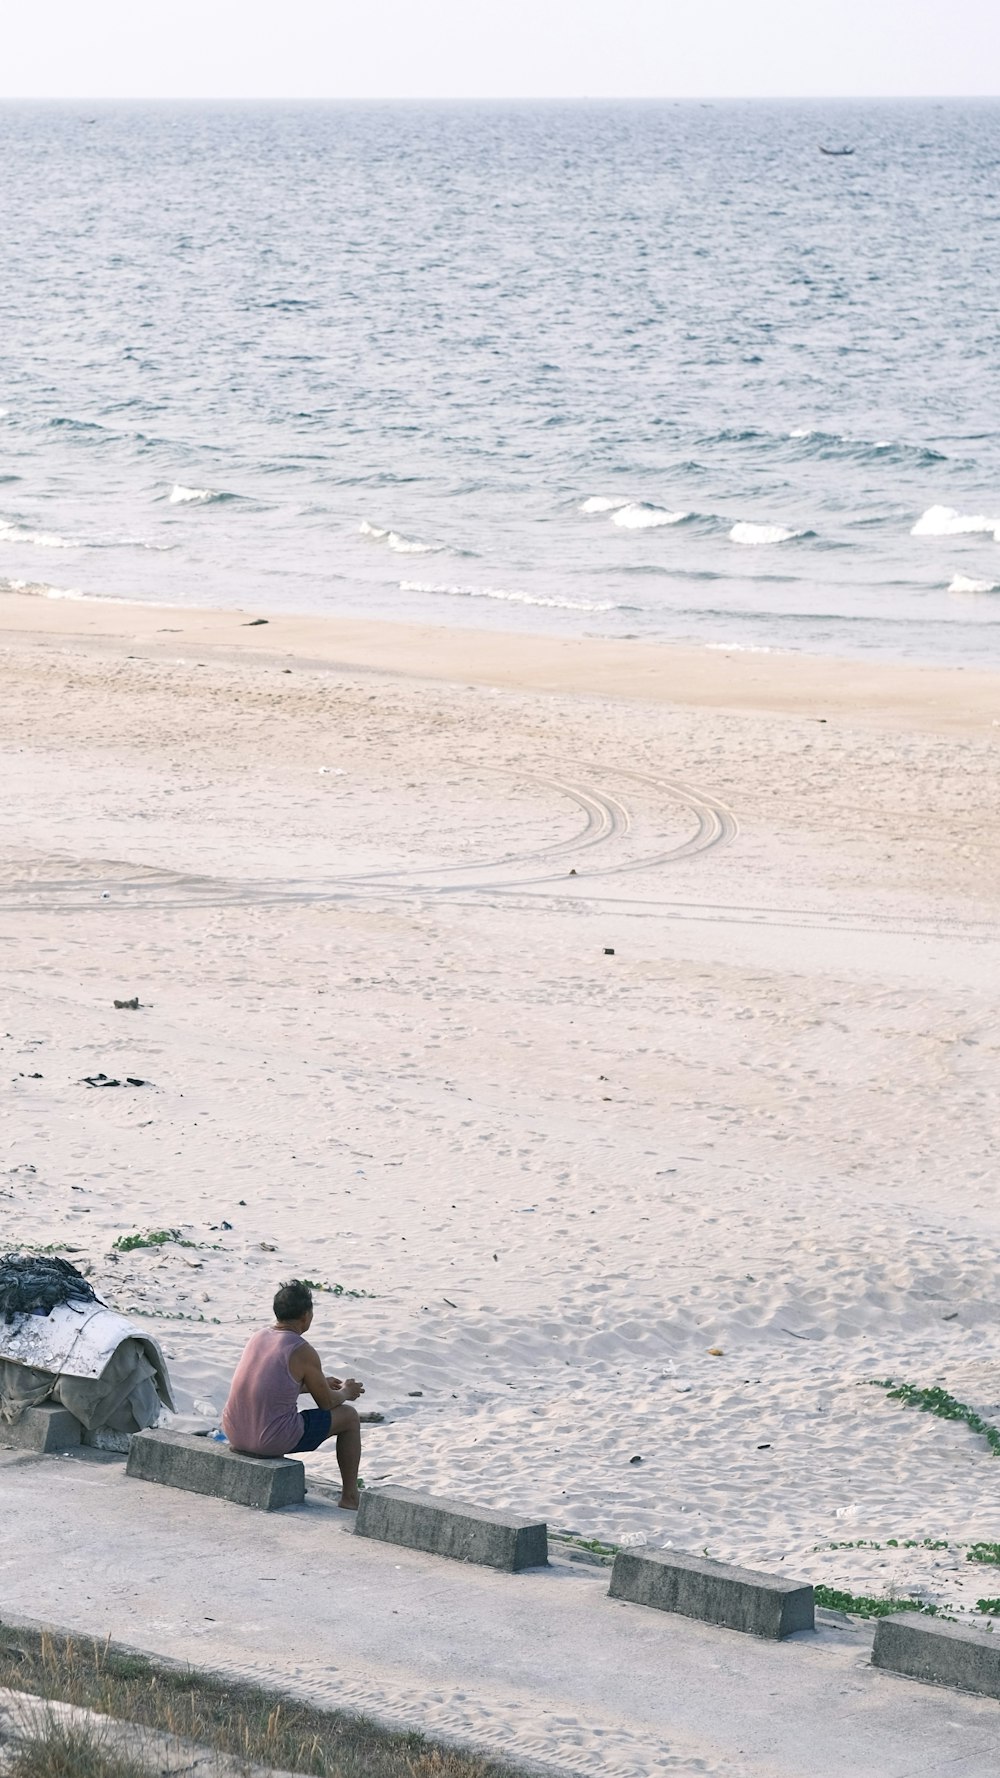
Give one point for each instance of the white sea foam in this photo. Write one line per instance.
(181, 496)
(10, 533)
(603, 503)
(742, 648)
(40, 589)
(962, 583)
(403, 546)
(511, 598)
(802, 432)
(642, 515)
(748, 533)
(946, 521)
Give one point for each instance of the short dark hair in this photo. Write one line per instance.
(292, 1301)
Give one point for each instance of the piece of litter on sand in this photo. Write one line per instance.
(632, 1540)
(254, 621)
(128, 1005)
(683, 1388)
(448, 1300)
(763, 1447)
(635, 1459)
(609, 950)
(414, 1392)
(108, 1080)
(715, 1352)
(266, 1247)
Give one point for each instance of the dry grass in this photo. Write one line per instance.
(58, 1750)
(263, 1728)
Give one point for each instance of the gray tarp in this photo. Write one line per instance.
(104, 1369)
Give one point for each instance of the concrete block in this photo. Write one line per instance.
(940, 1654)
(452, 1528)
(48, 1428)
(179, 1460)
(694, 1586)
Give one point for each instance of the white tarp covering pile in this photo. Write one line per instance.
(104, 1369)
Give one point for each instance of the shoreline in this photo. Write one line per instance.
(887, 695)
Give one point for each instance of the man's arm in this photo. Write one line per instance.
(309, 1373)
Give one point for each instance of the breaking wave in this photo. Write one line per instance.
(642, 515)
(181, 496)
(945, 521)
(840, 444)
(403, 546)
(39, 589)
(633, 515)
(744, 532)
(963, 583)
(11, 533)
(511, 598)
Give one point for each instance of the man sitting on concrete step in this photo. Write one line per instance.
(262, 1416)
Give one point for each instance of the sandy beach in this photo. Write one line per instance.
(615, 1026)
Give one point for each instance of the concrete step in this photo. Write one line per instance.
(202, 1466)
(713, 1592)
(45, 1428)
(452, 1528)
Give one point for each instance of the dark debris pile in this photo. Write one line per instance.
(37, 1283)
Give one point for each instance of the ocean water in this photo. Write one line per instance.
(645, 370)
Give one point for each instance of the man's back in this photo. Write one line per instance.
(261, 1415)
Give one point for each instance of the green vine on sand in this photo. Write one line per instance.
(334, 1289)
(984, 1552)
(151, 1238)
(946, 1407)
(866, 1605)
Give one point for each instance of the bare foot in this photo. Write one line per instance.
(350, 1502)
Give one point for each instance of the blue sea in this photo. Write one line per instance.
(658, 370)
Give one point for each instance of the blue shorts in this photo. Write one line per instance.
(315, 1428)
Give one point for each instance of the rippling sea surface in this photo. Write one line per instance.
(650, 370)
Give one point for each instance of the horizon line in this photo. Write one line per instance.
(494, 98)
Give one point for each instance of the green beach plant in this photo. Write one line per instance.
(868, 1604)
(946, 1407)
(984, 1552)
(150, 1238)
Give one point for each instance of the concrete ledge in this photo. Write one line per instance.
(693, 1586)
(940, 1654)
(179, 1460)
(48, 1428)
(452, 1528)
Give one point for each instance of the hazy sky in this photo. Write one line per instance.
(499, 48)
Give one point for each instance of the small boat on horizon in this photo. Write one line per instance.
(835, 153)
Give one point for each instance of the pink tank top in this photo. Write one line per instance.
(261, 1415)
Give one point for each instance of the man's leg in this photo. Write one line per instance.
(346, 1428)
